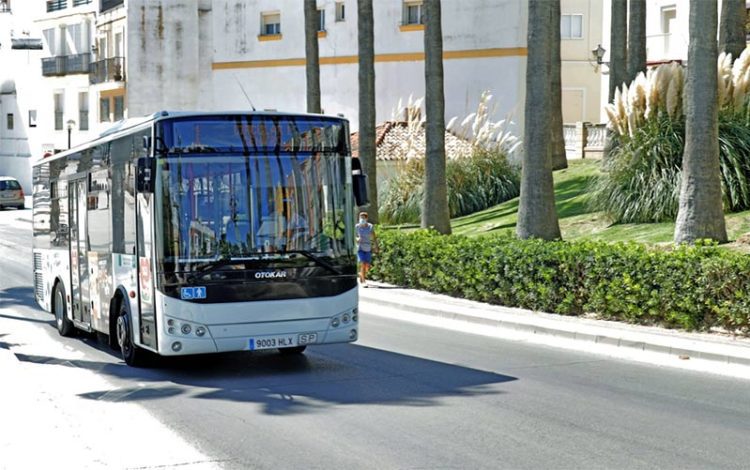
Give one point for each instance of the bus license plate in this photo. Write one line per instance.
(271, 342)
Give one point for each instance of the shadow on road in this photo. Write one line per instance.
(16, 296)
(327, 376)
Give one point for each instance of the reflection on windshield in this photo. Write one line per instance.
(220, 207)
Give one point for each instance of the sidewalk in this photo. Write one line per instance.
(699, 351)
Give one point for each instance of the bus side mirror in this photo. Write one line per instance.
(145, 175)
(359, 182)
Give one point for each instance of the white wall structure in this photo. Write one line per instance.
(65, 100)
(582, 30)
(20, 129)
(484, 45)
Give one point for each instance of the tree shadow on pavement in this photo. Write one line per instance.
(327, 376)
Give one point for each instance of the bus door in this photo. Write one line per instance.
(79, 269)
(144, 226)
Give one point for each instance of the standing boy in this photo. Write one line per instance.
(366, 240)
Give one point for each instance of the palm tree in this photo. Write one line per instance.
(618, 40)
(435, 204)
(732, 27)
(312, 58)
(367, 150)
(700, 214)
(537, 216)
(636, 39)
(559, 160)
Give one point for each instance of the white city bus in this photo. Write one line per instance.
(191, 233)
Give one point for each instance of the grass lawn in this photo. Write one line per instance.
(576, 219)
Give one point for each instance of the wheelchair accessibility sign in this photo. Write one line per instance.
(192, 293)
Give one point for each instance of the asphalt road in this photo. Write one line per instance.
(407, 396)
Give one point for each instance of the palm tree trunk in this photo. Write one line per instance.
(559, 160)
(537, 216)
(636, 39)
(435, 204)
(618, 40)
(367, 150)
(312, 58)
(700, 213)
(732, 34)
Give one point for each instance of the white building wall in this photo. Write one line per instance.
(484, 46)
(19, 79)
(164, 62)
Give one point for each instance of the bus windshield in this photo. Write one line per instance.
(225, 207)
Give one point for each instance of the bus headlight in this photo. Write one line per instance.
(186, 329)
(176, 346)
(345, 318)
(353, 335)
(200, 331)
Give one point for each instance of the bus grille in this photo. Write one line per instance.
(38, 277)
(39, 285)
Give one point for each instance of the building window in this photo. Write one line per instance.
(59, 109)
(340, 11)
(83, 111)
(571, 26)
(321, 20)
(119, 107)
(412, 13)
(104, 110)
(4, 6)
(32, 118)
(9, 123)
(270, 24)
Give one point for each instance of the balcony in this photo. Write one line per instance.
(66, 65)
(107, 70)
(110, 4)
(56, 5)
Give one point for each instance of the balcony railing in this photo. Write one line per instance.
(78, 3)
(107, 70)
(66, 64)
(109, 4)
(55, 5)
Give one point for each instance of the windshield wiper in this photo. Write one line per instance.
(318, 260)
(209, 268)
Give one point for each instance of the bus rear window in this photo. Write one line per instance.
(9, 185)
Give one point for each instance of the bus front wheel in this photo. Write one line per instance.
(64, 325)
(131, 354)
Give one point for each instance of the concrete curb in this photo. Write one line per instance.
(683, 345)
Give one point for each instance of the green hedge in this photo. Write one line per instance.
(695, 288)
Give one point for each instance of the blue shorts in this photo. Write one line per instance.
(364, 256)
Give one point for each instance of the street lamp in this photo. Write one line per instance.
(71, 124)
(598, 54)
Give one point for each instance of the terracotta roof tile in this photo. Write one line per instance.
(396, 140)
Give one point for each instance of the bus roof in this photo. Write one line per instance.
(122, 127)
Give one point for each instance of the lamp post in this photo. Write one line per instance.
(71, 124)
(598, 54)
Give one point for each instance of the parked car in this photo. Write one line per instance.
(11, 193)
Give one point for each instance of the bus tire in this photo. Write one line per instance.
(292, 351)
(64, 325)
(131, 354)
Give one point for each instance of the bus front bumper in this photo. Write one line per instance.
(341, 328)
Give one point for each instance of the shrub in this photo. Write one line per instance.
(481, 180)
(692, 287)
(478, 172)
(641, 178)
